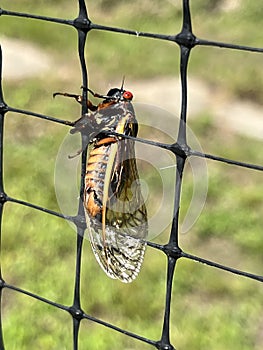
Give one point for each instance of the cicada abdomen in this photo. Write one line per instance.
(114, 206)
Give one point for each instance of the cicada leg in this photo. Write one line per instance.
(78, 98)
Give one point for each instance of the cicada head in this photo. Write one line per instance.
(118, 95)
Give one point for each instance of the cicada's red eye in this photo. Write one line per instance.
(127, 95)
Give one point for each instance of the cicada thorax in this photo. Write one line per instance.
(114, 205)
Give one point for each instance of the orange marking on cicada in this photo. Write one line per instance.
(90, 203)
(105, 141)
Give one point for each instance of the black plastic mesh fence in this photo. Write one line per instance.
(187, 41)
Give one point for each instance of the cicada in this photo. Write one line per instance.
(114, 206)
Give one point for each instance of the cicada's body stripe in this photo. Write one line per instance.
(95, 178)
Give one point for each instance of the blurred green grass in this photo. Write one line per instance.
(210, 309)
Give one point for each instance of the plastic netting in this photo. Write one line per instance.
(187, 41)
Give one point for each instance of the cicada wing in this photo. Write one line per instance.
(119, 255)
(118, 240)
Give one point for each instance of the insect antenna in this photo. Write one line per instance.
(122, 83)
